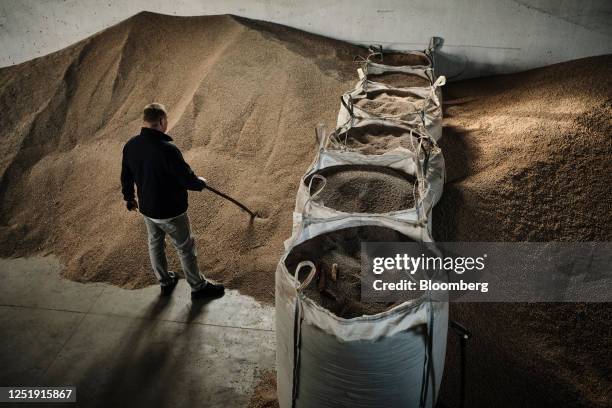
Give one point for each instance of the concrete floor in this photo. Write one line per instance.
(129, 347)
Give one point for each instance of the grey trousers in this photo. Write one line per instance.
(179, 231)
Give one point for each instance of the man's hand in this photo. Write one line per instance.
(132, 205)
(204, 180)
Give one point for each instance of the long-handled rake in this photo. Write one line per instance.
(228, 198)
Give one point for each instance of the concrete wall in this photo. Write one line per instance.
(481, 36)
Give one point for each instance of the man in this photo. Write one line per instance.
(162, 178)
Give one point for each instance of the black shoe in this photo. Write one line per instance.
(166, 290)
(210, 291)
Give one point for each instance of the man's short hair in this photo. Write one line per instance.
(154, 112)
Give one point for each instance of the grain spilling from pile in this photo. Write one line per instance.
(364, 189)
(264, 395)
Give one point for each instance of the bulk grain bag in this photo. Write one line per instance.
(417, 107)
(376, 179)
(392, 358)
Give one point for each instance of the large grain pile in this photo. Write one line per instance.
(243, 99)
(363, 189)
(529, 159)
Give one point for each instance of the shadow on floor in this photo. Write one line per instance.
(147, 363)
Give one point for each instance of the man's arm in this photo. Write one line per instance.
(127, 184)
(181, 170)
